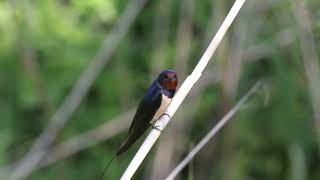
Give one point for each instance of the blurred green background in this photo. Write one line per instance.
(45, 45)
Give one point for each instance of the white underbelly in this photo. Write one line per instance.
(165, 102)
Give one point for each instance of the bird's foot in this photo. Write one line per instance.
(156, 128)
(166, 114)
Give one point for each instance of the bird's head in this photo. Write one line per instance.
(168, 80)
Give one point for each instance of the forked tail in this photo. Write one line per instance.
(106, 168)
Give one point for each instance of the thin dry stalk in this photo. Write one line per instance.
(161, 28)
(109, 129)
(41, 145)
(166, 153)
(182, 92)
(88, 139)
(297, 159)
(232, 70)
(213, 131)
(27, 53)
(282, 40)
(310, 58)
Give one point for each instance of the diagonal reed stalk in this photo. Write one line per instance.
(41, 146)
(182, 92)
(213, 131)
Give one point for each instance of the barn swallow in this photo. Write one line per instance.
(151, 107)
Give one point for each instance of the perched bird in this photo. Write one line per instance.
(151, 107)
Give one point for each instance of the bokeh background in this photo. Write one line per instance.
(73, 71)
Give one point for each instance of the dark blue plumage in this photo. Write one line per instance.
(152, 106)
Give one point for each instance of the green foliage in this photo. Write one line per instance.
(45, 45)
